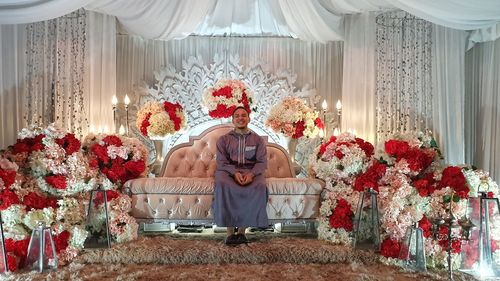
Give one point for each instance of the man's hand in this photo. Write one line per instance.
(248, 178)
(239, 178)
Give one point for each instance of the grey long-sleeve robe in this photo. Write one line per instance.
(235, 205)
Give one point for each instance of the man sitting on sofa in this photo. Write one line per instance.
(240, 195)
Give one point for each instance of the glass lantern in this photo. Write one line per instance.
(4, 268)
(98, 220)
(41, 249)
(480, 254)
(412, 250)
(366, 222)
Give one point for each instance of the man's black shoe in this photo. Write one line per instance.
(231, 240)
(241, 238)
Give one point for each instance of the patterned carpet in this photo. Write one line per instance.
(202, 257)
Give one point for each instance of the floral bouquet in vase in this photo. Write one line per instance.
(159, 119)
(225, 96)
(294, 119)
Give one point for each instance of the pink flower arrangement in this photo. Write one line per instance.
(156, 120)
(225, 96)
(294, 119)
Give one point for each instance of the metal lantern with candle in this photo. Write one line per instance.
(127, 102)
(324, 106)
(4, 268)
(114, 103)
(338, 106)
(478, 253)
(367, 222)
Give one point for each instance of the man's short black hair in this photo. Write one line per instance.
(240, 107)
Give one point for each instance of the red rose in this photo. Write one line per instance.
(319, 123)
(112, 140)
(299, 130)
(101, 152)
(426, 185)
(396, 148)
(56, 181)
(455, 179)
(7, 198)
(70, 143)
(145, 124)
(19, 248)
(342, 215)
(60, 241)
(226, 91)
(390, 248)
(171, 109)
(365, 146)
(34, 201)
(426, 226)
(134, 169)
(110, 195)
(8, 177)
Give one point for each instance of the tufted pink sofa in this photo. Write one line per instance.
(184, 191)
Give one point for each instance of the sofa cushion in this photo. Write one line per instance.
(294, 186)
(181, 185)
(178, 185)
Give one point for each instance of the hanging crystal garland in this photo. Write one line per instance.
(403, 89)
(55, 74)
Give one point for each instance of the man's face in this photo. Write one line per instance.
(241, 118)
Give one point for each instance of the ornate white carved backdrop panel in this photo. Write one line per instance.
(404, 74)
(186, 87)
(315, 65)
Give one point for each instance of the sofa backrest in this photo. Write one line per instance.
(197, 157)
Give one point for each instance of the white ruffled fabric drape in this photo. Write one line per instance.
(28, 11)
(151, 19)
(308, 20)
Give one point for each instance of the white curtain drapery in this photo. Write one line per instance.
(448, 69)
(12, 81)
(482, 113)
(358, 93)
(318, 20)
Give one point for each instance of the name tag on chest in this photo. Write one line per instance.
(250, 148)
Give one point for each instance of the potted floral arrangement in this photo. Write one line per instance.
(294, 120)
(225, 96)
(159, 119)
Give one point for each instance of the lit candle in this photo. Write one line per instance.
(92, 129)
(105, 129)
(114, 101)
(338, 105)
(324, 105)
(336, 132)
(321, 133)
(126, 100)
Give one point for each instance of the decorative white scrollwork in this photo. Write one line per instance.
(187, 86)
